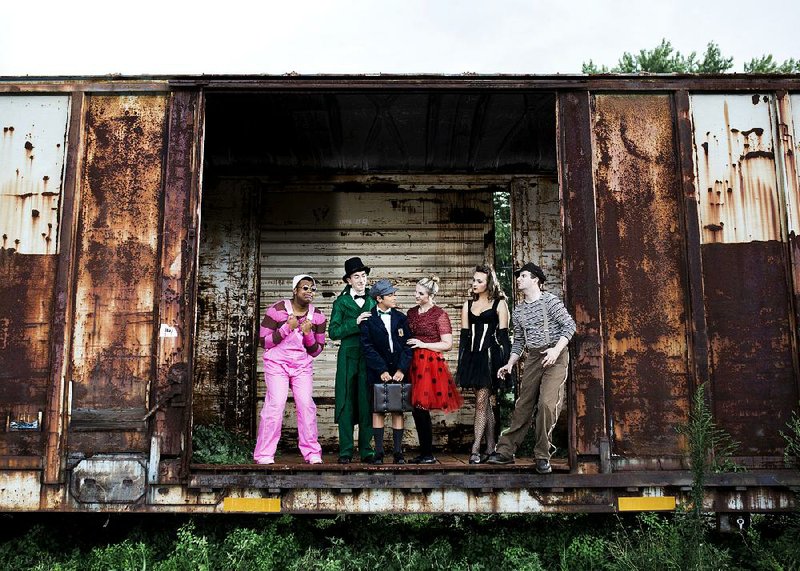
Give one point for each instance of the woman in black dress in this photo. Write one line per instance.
(484, 347)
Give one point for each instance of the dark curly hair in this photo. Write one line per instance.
(492, 283)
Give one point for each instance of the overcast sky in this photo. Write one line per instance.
(98, 37)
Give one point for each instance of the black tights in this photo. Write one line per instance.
(484, 421)
(422, 418)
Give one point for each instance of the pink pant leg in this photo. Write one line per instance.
(302, 386)
(269, 429)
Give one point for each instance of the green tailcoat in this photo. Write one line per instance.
(351, 372)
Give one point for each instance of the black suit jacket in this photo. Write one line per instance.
(375, 345)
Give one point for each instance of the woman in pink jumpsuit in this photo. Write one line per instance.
(292, 333)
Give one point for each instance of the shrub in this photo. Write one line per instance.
(215, 445)
(791, 453)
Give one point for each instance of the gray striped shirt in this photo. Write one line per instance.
(528, 319)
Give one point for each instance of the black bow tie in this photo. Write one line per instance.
(384, 312)
(359, 297)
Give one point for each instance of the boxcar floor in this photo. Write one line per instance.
(294, 462)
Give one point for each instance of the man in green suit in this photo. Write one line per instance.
(353, 406)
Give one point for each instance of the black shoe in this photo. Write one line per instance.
(497, 458)
(369, 459)
(474, 458)
(344, 460)
(377, 459)
(398, 458)
(423, 459)
(543, 466)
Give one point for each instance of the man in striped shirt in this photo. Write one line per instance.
(543, 327)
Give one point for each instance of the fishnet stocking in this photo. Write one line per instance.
(484, 420)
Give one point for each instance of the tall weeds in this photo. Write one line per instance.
(710, 448)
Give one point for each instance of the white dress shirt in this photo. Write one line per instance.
(387, 323)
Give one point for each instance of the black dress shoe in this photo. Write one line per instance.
(543, 466)
(399, 459)
(423, 459)
(344, 460)
(377, 459)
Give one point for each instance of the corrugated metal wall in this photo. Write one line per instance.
(227, 306)
(32, 154)
(745, 268)
(402, 236)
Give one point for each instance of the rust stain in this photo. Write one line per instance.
(747, 300)
(738, 198)
(642, 272)
(23, 183)
(747, 307)
(113, 339)
(27, 287)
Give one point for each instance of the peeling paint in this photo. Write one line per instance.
(30, 191)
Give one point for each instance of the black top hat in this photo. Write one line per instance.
(352, 266)
(535, 271)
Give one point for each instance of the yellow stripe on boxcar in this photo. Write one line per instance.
(260, 505)
(647, 504)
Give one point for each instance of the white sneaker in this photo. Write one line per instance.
(314, 460)
(266, 460)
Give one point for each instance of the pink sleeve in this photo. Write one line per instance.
(273, 327)
(314, 340)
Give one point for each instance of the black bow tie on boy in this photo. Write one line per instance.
(384, 312)
(359, 297)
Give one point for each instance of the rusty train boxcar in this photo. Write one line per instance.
(147, 222)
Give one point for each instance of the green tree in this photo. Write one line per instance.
(767, 64)
(665, 59)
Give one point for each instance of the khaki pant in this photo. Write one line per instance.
(541, 392)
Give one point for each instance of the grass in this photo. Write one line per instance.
(574, 542)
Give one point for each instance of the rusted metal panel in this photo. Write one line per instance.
(227, 306)
(19, 490)
(173, 372)
(403, 236)
(109, 479)
(390, 83)
(117, 263)
(32, 148)
(736, 168)
(582, 293)
(26, 304)
(747, 297)
(60, 349)
(789, 131)
(698, 356)
(642, 272)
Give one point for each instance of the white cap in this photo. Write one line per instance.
(299, 277)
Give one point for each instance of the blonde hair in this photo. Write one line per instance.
(431, 284)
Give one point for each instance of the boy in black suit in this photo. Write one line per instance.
(383, 339)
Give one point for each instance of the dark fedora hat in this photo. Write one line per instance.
(382, 288)
(535, 271)
(352, 266)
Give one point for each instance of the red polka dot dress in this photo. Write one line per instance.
(432, 385)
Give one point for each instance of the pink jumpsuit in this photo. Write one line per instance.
(288, 362)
